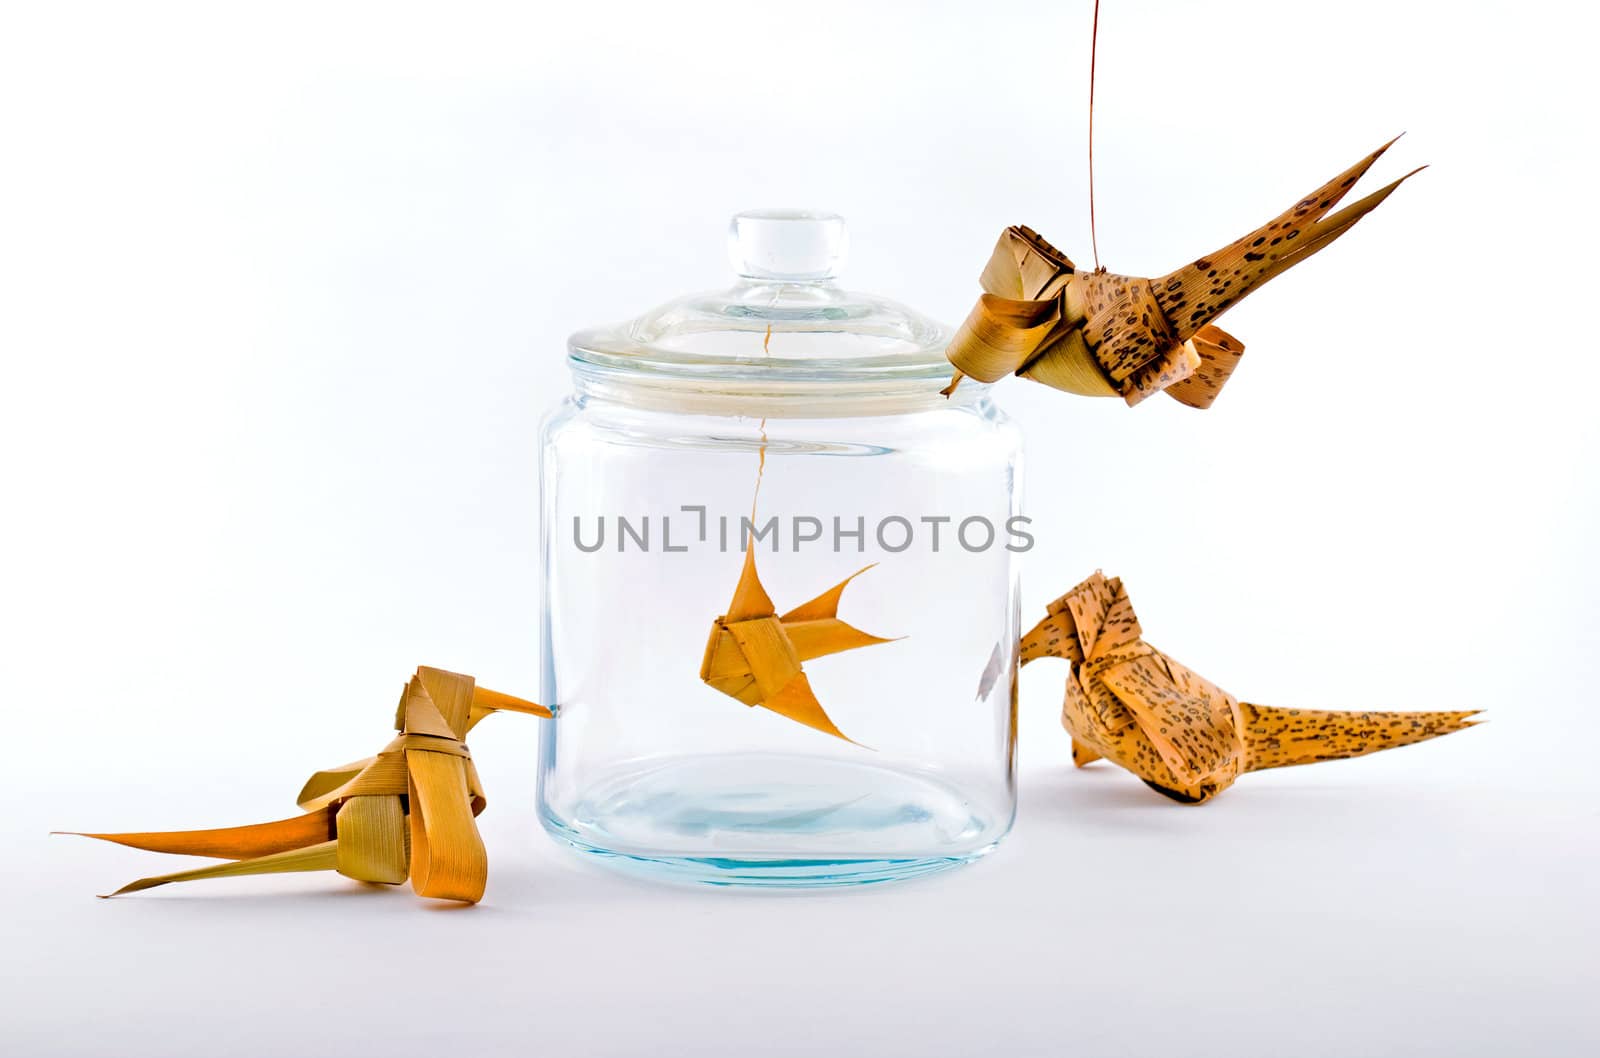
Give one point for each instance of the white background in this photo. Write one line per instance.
(267, 271)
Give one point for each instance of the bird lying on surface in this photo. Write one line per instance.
(1185, 737)
(1101, 334)
(406, 812)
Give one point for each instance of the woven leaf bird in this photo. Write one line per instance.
(755, 655)
(1105, 335)
(406, 812)
(1185, 737)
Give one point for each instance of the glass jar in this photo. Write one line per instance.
(807, 422)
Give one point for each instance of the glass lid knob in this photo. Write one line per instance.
(787, 245)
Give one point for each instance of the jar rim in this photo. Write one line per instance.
(773, 394)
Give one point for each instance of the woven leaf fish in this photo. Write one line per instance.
(1185, 737)
(407, 812)
(1104, 335)
(755, 655)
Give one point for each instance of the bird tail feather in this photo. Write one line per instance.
(1199, 292)
(1279, 738)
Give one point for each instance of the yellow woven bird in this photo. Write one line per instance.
(407, 812)
(1105, 335)
(1185, 737)
(755, 656)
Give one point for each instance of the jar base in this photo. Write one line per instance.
(778, 821)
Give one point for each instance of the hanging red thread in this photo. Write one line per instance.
(1094, 42)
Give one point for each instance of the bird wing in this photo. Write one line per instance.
(1190, 722)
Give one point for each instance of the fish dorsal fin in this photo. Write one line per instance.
(825, 605)
(750, 599)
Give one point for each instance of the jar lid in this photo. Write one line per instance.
(784, 320)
